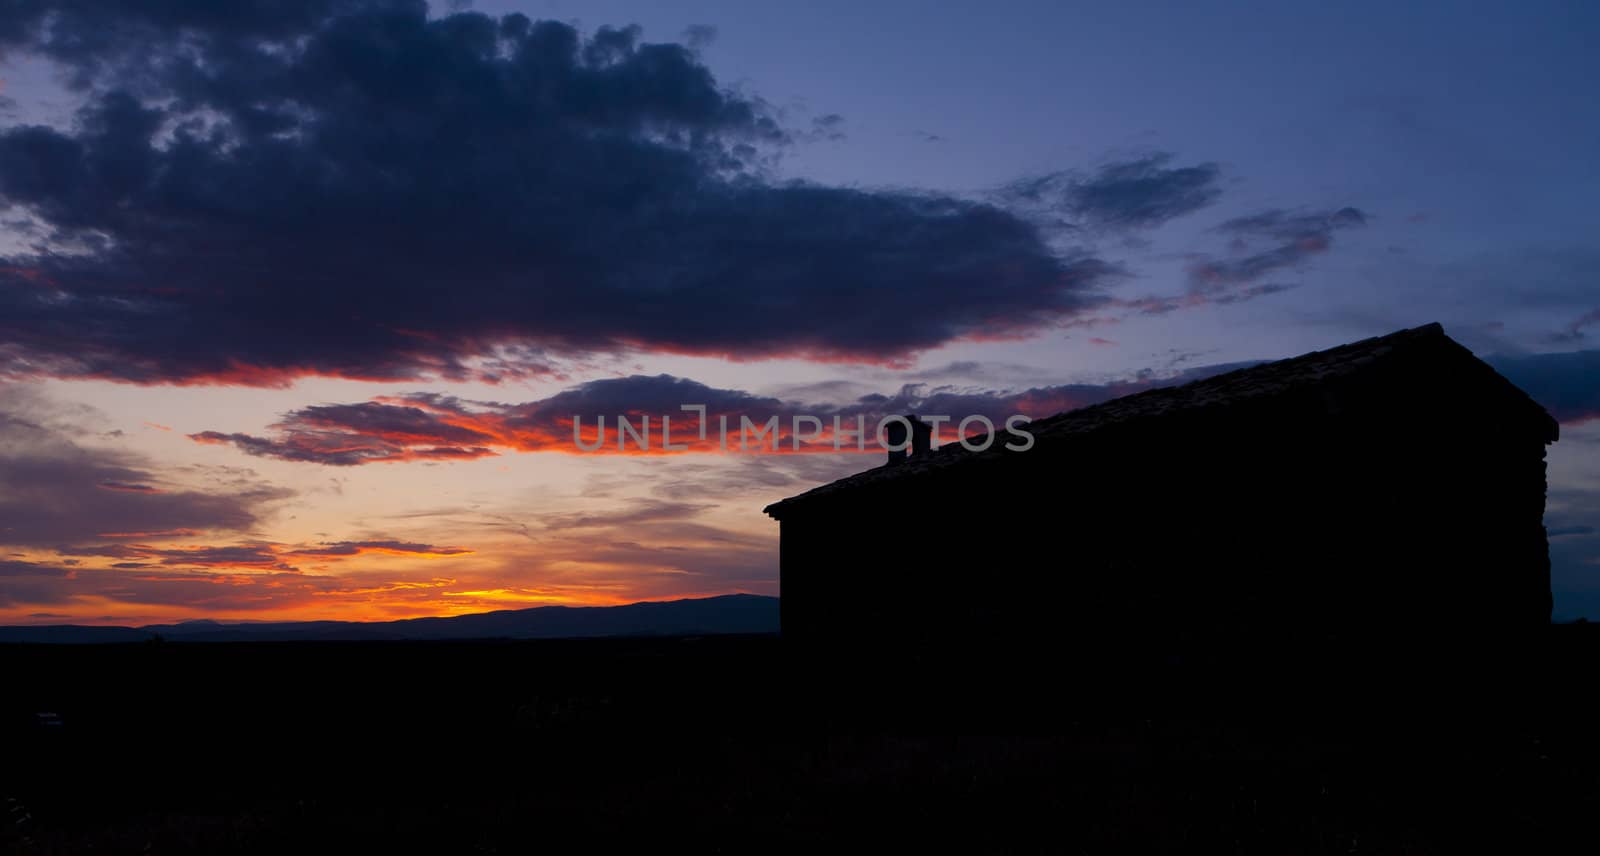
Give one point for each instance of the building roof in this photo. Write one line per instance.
(1265, 380)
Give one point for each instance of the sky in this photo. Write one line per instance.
(298, 300)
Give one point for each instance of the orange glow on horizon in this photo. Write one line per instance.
(371, 604)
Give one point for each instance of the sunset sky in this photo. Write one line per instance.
(297, 300)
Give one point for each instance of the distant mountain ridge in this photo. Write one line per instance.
(733, 613)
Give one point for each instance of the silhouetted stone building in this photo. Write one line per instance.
(1384, 486)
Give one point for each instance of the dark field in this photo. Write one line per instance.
(723, 744)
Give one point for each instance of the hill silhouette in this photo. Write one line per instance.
(734, 613)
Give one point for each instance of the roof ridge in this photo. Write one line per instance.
(1260, 379)
(1425, 330)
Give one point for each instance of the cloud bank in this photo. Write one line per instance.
(252, 193)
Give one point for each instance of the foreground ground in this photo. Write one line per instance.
(725, 744)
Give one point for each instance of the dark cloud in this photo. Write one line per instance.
(336, 449)
(1290, 239)
(32, 583)
(255, 555)
(1567, 384)
(263, 556)
(130, 487)
(53, 489)
(411, 423)
(111, 551)
(97, 37)
(349, 434)
(404, 428)
(1261, 246)
(1290, 227)
(1575, 331)
(1128, 195)
(356, 548)
(206, 591)
(829, 127)
(257, 191)
(546, 425)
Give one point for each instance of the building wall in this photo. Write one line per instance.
(1359, 516)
